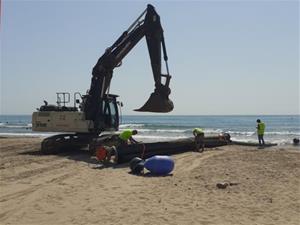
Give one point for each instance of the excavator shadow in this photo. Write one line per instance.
(32, 152)
(79, 155)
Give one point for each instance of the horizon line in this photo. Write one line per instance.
(182, 115)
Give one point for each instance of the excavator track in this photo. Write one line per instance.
(68, 142)
(64, 142)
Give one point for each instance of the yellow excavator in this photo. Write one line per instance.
(97, 111)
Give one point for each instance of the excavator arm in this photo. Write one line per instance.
(102, 73)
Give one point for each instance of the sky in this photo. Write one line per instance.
(225, 57)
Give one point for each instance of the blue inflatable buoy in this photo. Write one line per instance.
(159, 164)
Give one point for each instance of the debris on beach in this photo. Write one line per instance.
(224, 184)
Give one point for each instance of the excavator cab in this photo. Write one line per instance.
(110, 113)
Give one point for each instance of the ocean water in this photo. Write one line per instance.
(280, 129)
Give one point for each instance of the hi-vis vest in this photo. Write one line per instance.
(261, 128)
(198, 131)
(125, 135)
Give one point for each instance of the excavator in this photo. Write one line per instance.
(94, 116)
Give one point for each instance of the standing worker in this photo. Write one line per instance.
(199, 139)
(260, 132)
(126, 137)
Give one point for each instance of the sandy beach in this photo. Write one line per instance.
(69, 188)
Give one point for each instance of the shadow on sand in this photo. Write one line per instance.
(80, 155)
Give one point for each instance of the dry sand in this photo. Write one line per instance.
(67, 189)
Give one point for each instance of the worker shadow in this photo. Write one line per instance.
(32, 152)
(72, 154)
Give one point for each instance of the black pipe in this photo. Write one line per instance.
(146, 150)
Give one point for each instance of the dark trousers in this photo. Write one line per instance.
(199, 142)
(261, 139)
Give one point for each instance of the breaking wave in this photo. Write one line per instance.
(18, 126)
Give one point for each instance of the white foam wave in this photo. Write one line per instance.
(141, 130)
(159, 130)
(3, 125)
(154, 137)
(131, 125)
(254, 140)
(243, 133)
(283, 133)
(25, 134)
(252, 133)
(173, 131)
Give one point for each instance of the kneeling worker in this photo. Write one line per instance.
(126, 137)
(199, 139)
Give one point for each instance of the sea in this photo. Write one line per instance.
(280, 129)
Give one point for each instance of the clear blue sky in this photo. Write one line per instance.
(226, 57)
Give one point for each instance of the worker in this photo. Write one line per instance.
(125, 137)
(199, 139)
(260, 132)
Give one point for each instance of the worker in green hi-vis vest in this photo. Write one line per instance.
(199, 139)
(260, 132)
(125, 137)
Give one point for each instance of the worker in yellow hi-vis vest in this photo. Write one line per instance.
(260, 132)
(126, 137)
(199, 139)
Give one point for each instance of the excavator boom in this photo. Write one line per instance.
(102, 73)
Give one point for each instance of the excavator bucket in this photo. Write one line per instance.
(157, 103)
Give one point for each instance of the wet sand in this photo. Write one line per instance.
(69, 188)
